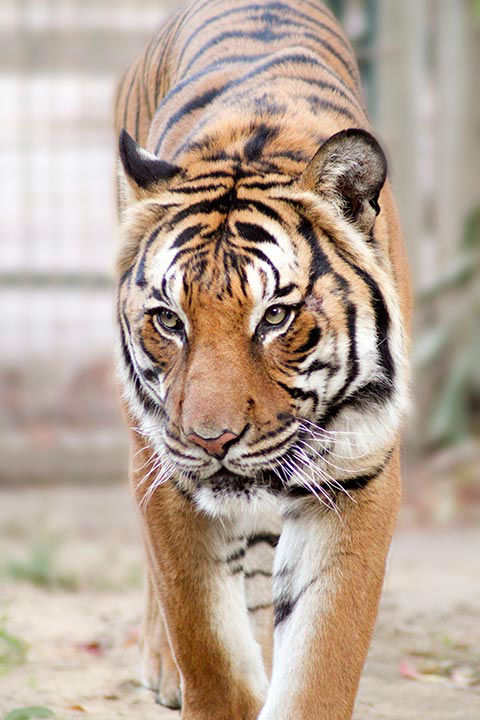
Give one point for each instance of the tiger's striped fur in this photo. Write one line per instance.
(263, 312)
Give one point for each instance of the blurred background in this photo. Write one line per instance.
(70, 559)
(59, 62)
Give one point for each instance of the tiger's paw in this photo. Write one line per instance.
(169, 694)
(160, 675)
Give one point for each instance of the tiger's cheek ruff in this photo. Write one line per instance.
(377, 397)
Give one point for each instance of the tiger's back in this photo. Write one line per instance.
(197, 59)
(255, 180)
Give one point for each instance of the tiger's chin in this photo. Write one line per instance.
(230, 494)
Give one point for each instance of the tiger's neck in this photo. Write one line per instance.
(285, 142)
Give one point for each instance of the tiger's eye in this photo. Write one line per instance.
(169, 320)
(276, 315)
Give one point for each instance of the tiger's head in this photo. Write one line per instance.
(262, 349)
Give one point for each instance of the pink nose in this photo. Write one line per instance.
(214, 446)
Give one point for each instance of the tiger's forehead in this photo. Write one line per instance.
(235, 255)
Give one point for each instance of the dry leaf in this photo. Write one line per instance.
(408, 670)
(96, 647)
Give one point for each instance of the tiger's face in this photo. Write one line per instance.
(259, 333)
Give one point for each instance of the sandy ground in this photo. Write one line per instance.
(71, 599)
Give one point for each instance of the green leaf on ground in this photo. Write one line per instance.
(40, 566)
(29, 712)
(13, 651)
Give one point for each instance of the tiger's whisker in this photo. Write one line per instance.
(328, 462)
(331, 482)
(333, 432)
(305, 478)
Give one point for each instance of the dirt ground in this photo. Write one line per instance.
(71, 599)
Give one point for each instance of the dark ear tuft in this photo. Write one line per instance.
(141, 167)
(349, 170)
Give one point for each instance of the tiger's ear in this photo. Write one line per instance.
(349, 171)
(143, 171)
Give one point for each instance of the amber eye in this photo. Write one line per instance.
(276, 315)
(169, 320)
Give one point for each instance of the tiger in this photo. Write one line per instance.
(263, 314)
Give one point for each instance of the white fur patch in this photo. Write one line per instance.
(305, 548)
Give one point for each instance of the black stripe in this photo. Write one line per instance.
(382, 318)
(294, 155)
(257, 573)
(137, 111)
(237, 555)
(212, 174)
(186, 235)
(197, 103)
(254, 233)
(198, 30)
(140, 276)
(268, 106)
(268, 538)
(318, 104)
(268, 185)
(283, 609)
(262, 606)
(167, 40)
(361, 481)
(195, 256)
(284, 606)
(146, 68)
(255, 145)
(177, 453)
(127, 98)
(147, 352)
(281, 292)
(270, 448)
(261, 256)
(182, 491)
(353, 364)
(145, 400)
(149, 374)
(313, 339)
(192, 189)
(286, 423)
(206, 206)
(261, 206)
(264, 35)
(344, 93)
(298, 491)
(320, 264)
(374, 392)
(299, 394)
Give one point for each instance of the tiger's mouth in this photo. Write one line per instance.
(226, 481)
(243, 464)
(273, 476)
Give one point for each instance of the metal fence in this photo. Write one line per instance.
(59, 61)
(59, 64)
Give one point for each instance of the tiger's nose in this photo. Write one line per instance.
(216, 446)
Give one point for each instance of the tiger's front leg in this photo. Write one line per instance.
(203, 606)
(328, 578)
(159, 670)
